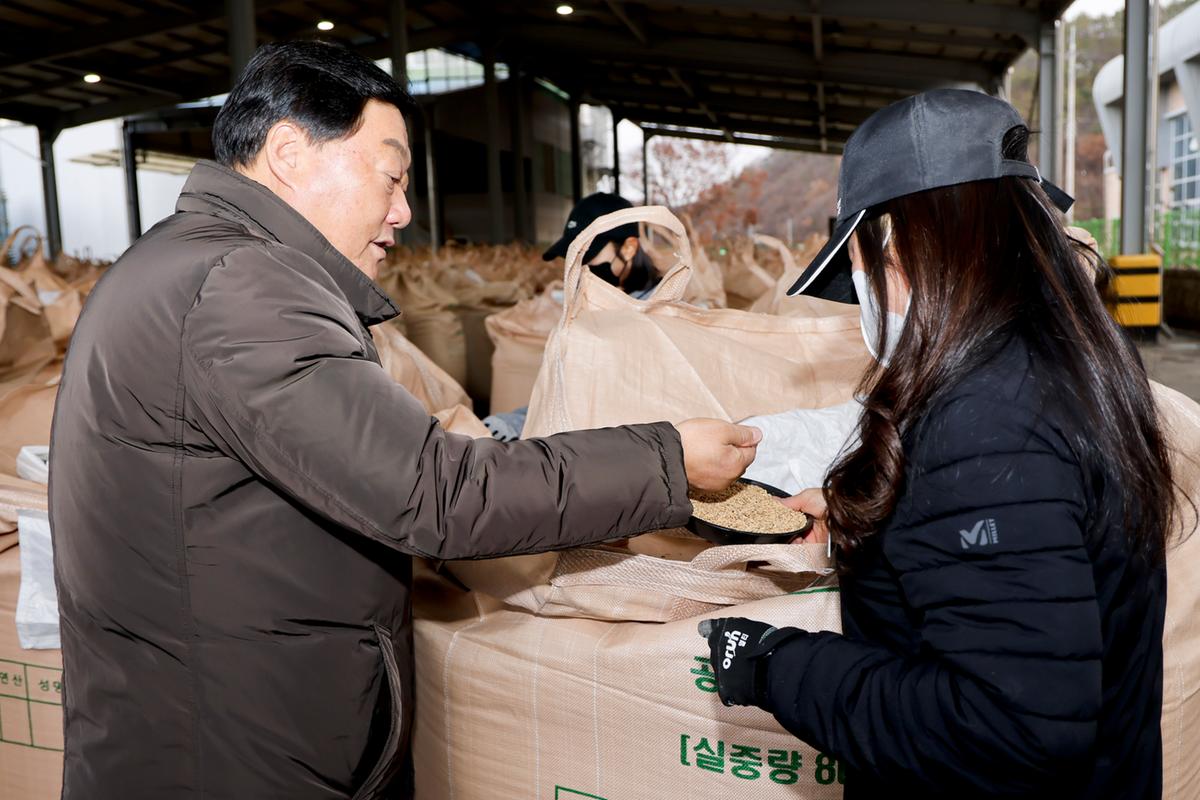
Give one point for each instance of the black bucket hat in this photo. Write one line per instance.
(938, 138)
(585, 212)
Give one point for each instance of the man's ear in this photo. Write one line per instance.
(284, 151)
(629, 248)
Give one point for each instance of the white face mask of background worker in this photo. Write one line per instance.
(869, 311)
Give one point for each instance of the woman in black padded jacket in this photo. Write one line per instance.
(1000, 521)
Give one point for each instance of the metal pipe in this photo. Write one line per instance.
(1060, 86)
(398, 52)
(398, 40)
(239, 15)
(46, 137)
(1048, 142)
(1152, 129)
(646, 137)
(430, 119)
(1133, 128)
(133, 206)
(616, 169)
(576, 152)
(1069, 154)
(520, 193)
(492, 112)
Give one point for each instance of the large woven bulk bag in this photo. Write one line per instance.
(777, 300)
(707, 286)
(519, 336)
(411, 368)
(31, 692)
(430, 321)
(744, 278)
(26, 342)
(586, 664)
(60, 301)
(587, 699)
(26, 412)
(1181, 632)
(613, 360)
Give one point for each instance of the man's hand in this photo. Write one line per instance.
(716, 453)
(738, 651)
(812, 503)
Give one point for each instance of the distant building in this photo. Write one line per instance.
(1177, 201)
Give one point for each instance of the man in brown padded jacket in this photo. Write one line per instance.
(237, 485)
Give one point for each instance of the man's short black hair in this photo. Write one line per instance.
(321, 86)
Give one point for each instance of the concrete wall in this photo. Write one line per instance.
(461, 156)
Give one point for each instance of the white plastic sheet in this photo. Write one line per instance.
(33, 463)
(799, 446)
(37, 600)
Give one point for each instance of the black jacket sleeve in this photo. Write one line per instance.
(1004, 690)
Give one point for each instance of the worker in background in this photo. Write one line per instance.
(1001, 520)
(615, 257)
(237, 486)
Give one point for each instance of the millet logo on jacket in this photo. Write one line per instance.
(984, 533)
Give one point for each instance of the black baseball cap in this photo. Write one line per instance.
(585, 212)
(943, 137)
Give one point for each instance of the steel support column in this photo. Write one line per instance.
(435, 217)
(398, 40)
(133, 206)
(1133, 127)
(398, 53)
(646, 137)
(46, 137)
(492, 112)
(520, 190)
(1049, 145)
(243, 39)
(616, 168)
(576, 152)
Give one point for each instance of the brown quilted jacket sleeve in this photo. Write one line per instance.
(278, 376)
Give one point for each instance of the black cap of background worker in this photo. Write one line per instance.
(585, 212)
(938, 138)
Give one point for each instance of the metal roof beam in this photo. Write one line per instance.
(76, 82)
(621, 14)
(172, 92)
(28, 50)
(902, 71)
(649, 116)
(731, 103)
(1013, 20)
(426, 39)
(139, 103)
(778, 143)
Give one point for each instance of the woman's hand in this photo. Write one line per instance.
(811, 502)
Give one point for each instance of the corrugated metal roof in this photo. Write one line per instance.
(805, 71)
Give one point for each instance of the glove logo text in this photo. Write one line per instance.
(733, 640)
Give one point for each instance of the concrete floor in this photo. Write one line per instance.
(1175, 362)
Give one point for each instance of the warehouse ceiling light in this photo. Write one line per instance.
(565, 10)
(91, 77)
(324, 25)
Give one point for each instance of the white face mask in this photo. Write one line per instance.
(868, 320)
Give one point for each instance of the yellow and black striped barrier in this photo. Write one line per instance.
(1137, 291)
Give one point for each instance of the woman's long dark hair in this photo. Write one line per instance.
(987, 260)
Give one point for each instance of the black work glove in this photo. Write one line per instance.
(739, 650)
